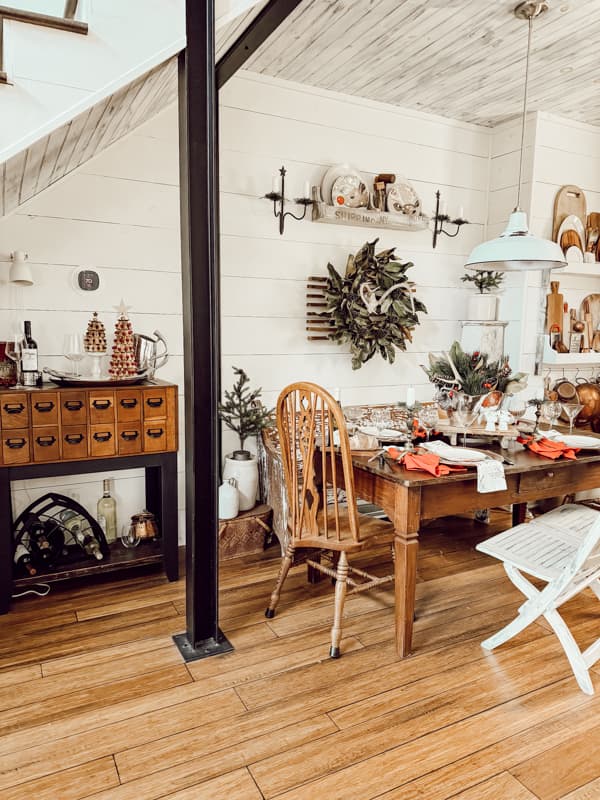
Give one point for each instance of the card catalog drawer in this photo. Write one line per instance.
(46, 443)
(15, 446)
(74, 442)
(44, 408)
(129, 405)
(102, 407)
(155, 402)
(129, 438)
(102, 440)
(155, 436)
(14, 412)
(73, 409)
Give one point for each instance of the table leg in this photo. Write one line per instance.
(161, 500)
(6, 578)
(406, 548)
(405, 574)
(519, 510)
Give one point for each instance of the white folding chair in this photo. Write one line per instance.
(561, 548)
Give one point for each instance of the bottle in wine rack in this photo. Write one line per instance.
(88, 543)
(107, 513)
(41, 550)
(22, 560)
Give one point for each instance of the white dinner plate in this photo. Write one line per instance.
(580, 442)
(402, 199)
(572, 223)
(385, 434)
(349, 190)
(574, 255)
(460, 456)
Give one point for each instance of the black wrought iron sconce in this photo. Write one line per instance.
(278, 197)
(440, 218)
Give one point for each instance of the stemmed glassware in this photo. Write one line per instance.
(73, 350)
(353, 416)
(466, 412)
(428, 417)
(571, 410)
(14, 351)
(551, 411)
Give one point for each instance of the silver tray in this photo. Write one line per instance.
(64, 379)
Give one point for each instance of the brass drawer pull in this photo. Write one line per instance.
(73, 405)
(74, 438)
(45, 441)
(128, 403)
(101, 405)
(155, 433)
(43, 406)
(154, 402)
(103, 437)
(14, 408)
(16, 444)
(130, 436)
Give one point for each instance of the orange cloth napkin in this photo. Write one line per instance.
(425, 462)
(548, 448)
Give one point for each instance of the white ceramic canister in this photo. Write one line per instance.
(482, 307)
(229, 499)
(246, 474)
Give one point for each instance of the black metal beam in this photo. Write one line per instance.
(199, 191)
(259, 30)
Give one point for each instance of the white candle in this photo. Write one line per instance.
(443, 207)
(307, 189)
(410, 396)
(275, 184)
(461, 213)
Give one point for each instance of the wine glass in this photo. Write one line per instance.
(128, 537)
(428, 417)
(14, 351)
(466, 411)
(517, 409)
(551, 411)
(571, 410)
(353, 415)
(73, 350)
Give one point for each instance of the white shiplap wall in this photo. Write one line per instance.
(119, 213)
(266, 123)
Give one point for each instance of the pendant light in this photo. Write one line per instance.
(516, 249)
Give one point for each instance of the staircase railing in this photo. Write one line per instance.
(65, 23)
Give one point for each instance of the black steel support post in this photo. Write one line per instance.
(199, 188)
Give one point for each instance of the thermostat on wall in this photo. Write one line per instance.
(86, 280)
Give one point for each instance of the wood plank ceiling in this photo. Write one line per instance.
(463, 59)
(54, 156)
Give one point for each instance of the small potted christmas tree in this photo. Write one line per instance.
(484, 304)
(243, 412)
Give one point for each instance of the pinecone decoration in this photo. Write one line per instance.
(122, 362)
(94, 340)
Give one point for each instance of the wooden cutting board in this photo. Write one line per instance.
(569, 200)
(593, 301)
(554, 308)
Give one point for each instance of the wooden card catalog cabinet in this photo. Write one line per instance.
(59, 424)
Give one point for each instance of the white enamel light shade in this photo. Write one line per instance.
(20, 271)
(516, 250)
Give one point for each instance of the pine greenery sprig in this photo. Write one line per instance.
(381, 331)
(477, 374)
(243, 411)
(486, 280)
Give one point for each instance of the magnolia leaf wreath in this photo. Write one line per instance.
(373, 306)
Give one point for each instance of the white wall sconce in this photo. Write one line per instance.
(20, 271)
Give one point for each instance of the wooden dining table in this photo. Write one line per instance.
(410, 498)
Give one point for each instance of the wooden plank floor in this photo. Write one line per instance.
(95, 701)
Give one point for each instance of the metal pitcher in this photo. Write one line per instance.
(147, 356)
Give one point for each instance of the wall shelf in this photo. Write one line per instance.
(367, 218)
(580, 268)
(554, 359)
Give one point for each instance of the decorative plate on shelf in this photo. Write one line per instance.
(65, 379)
(402, 199)
(350, 191)
(332, 174)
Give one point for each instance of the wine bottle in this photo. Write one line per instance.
(89, 544)
(107, 513)
(41, 550)
(29, 358)
(23, 559)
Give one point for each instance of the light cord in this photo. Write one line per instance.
(530, 31)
